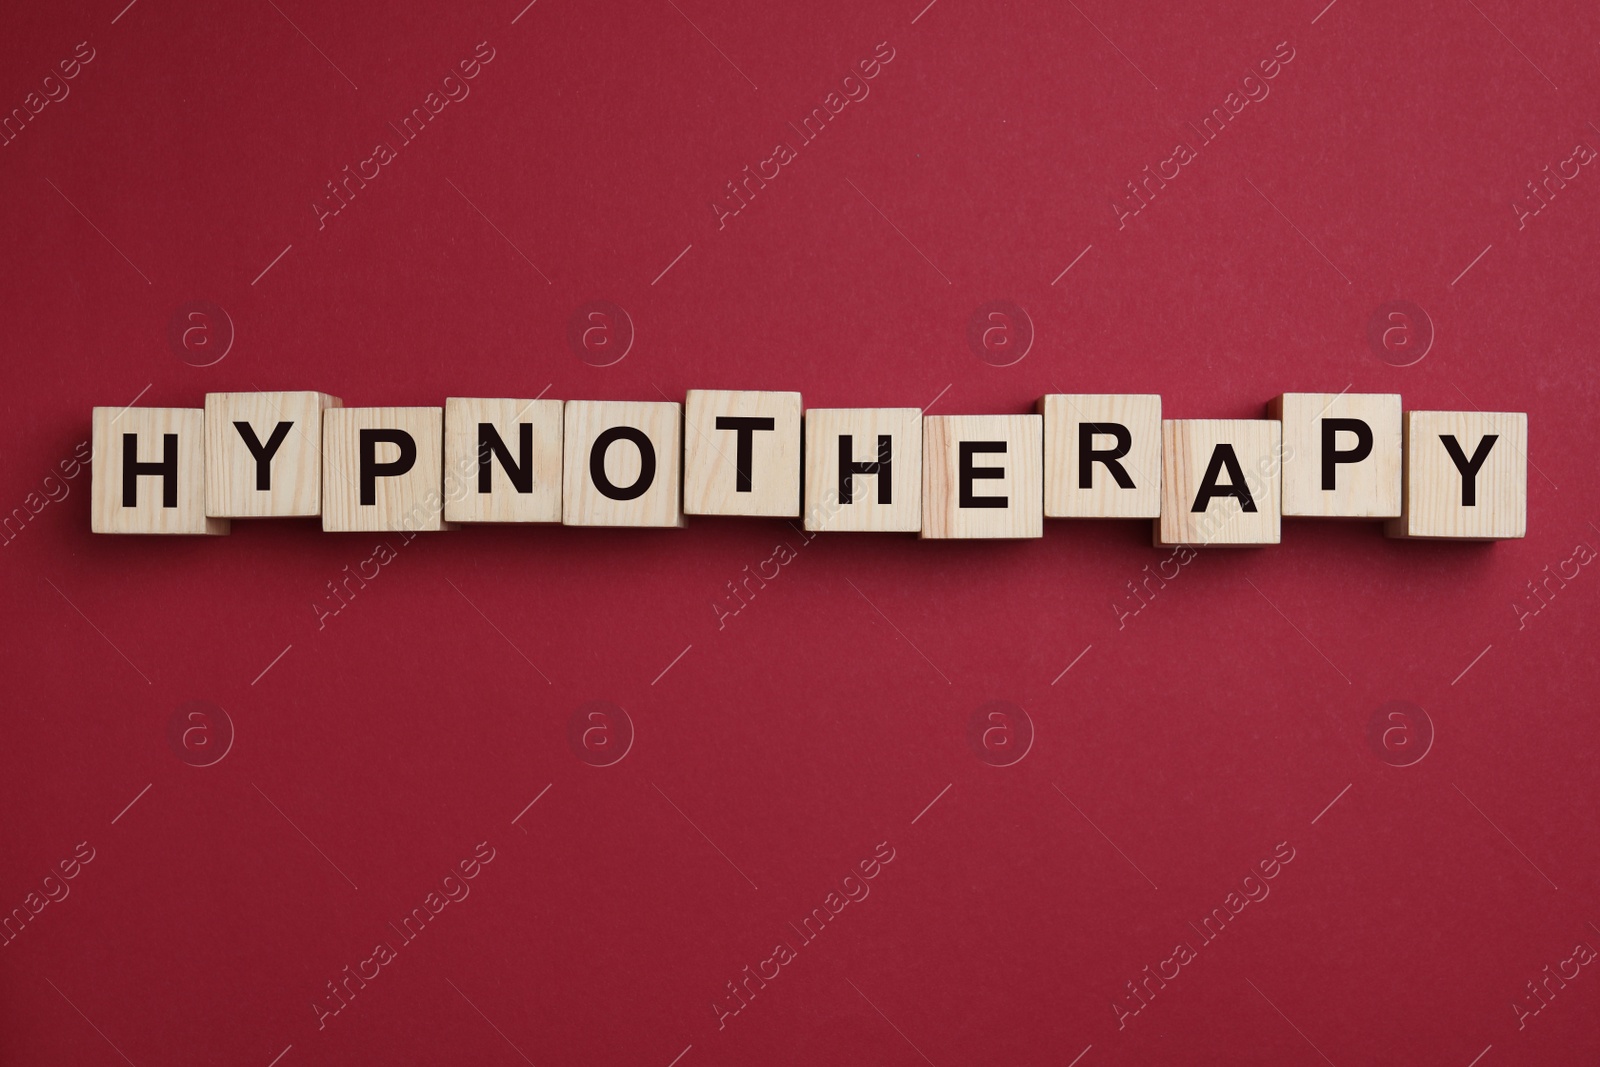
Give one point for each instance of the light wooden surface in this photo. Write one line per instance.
(824, 508)
(1432, 503)
(1065, 497)
(410, 501)
(1365, 489)
(504, 502)
(1187, 450)
(710, 455)
(108, 514)
(1021, 483)
(583, 504)
(296, 465)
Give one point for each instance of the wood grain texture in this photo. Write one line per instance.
(1065, 497)
(296, 466)
(150, 515)
(825, 508)
(710, 469)
(1366, 489)
(410, 501)
(1020, 481)
(1188, 448)
(1432, 500)
(504, 502)
(583, 503)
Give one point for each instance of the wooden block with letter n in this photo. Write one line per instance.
(502, 460)
(1466, 476)
(622, 464)
(264, 454)
(1102, 456)
(982, 476)
(741, 453)
(382, 469)
(1341, 454)
(149, 472)
(864, 469)
(1220, 482)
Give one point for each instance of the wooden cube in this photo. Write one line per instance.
(264, 454)
(1466, 476)
(382, 469)
(741, 453)
(622, 464)
(864, 469)
(1341, 454)
(1220, 482)
(1102, 457)
(502, 460)
(982, 476)
(149, 472)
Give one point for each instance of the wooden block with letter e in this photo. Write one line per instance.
(382, 469)
(264, 453)
(1341, 454)
(1466, 476)
(502, 460)
(149, 472)
(864, 469)
(741, 453)
(982, 476)
(622, 464)
(1220, 482)
(1102, 457)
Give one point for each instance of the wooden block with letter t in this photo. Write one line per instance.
(622, 464)
(982, 476)
(502, 460)
(1220, 482)
(741, 453)
(1466, 476)
(1341, 454)
(1102, 457)
(864, 470)
(382, 469)
(149, 472)
(264, 453)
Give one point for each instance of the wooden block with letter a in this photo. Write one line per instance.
(149, 472)
(382, 469)
(1220, 482)
(741, 453)
(264, 453)
(1466, 476)
(622, 464)
(1102, 456)
(864, 469)
(1341, 454)
(502, 460)
(982, 476)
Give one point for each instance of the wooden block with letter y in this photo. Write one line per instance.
(982, 476)
(264, 453)
(1220, 482)
(1341, 454)
(622, 464)
(1102, 456)
(864, 469)
(149, 472)
(382, 469)
(741, 453)
(502, 460)
(1466, 476)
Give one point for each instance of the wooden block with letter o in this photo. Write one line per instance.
(1341, 454)
(622, 464)
(149, 472)
(382, 469)
(502, 460)
(864, 469)
(1466, 476)
(1220, 482)
(982, 476)
(741, 453)
(264, 454)
(1102, 456)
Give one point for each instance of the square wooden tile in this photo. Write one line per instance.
(622, 464)
(502, 460)
(982, 476)
(864, 469)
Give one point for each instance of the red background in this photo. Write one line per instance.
(822, 719)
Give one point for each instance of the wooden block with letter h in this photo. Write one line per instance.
(264, 454)
(502, 460)
(982, 476)
(1341, 454)
(622, 464)
(864, 470)
(1466, 476)
(741, 453)
(1220, 482)
(1102, 456)
(382, 469)
(149, 472)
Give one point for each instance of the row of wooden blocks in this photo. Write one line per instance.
(1438, 474)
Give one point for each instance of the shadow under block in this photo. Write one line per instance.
(1102, 456)
(148, 472)
(741, 453)
(382, 469)
(1220, 482)
(982, 476)
(1342, 454)
(1466, 476)
(622, 464)
(271, 466)
(864, 470)
(502, 460)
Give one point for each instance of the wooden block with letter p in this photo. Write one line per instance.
(982, 476)
(864, 470)
(622, 464)
(382, 469)
(1102, 456)
(1466, 476)
(264, 454)
(1341, 454)
(1220, 482)
(502, 460)
(741, 453)
(148, 474)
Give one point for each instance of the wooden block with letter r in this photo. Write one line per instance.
(864, 469)
(148, 474)
(982, 476)
(1466, 476)
(1341, 454)
(502, 460)
(1220, 482)
(1102, 457)
(622, 464)
(741, 453)
(382, 469)
(264, 454)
